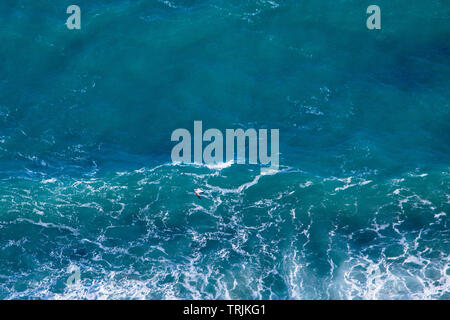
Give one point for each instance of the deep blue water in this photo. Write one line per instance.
(358, 210)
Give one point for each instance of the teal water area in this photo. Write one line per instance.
(358, 210)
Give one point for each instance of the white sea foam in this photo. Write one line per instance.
(52, 180)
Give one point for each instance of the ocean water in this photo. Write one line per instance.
(359, 208)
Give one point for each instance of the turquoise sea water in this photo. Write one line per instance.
(358, 210)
